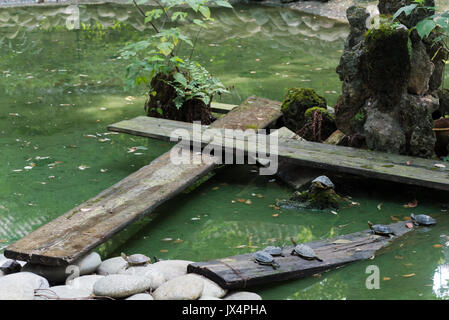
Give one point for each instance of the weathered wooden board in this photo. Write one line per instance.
(241, 271)
(371, 164)
(72, 235)
(222, 107)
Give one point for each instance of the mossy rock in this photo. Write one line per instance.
(318, 199)
(296, 103)
(319, 124)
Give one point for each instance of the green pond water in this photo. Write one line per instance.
(60, 89)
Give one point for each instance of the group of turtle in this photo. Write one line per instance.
(420, 219)
(266, 256)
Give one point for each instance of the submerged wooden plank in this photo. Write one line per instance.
(241, 271)
(72, 235)
(371, 164)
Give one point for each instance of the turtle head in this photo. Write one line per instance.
(293, 241)
(125, 257)
(370, 225)
(412, 216)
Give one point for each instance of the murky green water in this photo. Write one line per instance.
(59, 90)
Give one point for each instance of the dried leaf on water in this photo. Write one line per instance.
(412, 204)
(248, 201)
(167, 239)
(178, 241)
(130, 98)
(386, 278)
(409, 275)
(83, 167)
(163, 250)
(437, 245)
(439, 165)
(394, 218)
(379, 206)
(399, 257)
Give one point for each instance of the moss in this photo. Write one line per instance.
(358, 121)
(318, 198)
(252, 126)
(309, 113)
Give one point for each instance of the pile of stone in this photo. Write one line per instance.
(114, 278)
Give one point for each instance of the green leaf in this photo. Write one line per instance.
(407, 10)
(425, 27)
(223, 3)
(205, 11)
(181, 16)
(179, 77)
(165, 47)
(199, 23)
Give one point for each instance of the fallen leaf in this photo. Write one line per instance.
(3, 240)
(104, 140)
(248, 201)
(163, 250)
(409, 225)
(103, 170)
(130, 98)
(28, 167)
(408, 264)
(412, 204)
(406, 218)
(275, 215)
(409, 275)
(241, 246)
(167, 239)
(317, 275)
(437, 245)
(386, 278)
(178, 241)
(252, 72)
(83, 167)
(215, 188)
(439, 165)
(399, 257)
(379, 206)
(334, 212)
(241, 200)
(195, 218)
(394, 218)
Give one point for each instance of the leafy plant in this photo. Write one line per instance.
(158, 53)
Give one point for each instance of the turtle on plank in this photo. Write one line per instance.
(264, 258)
(381, 229)
(274, 251)
(136, 259)
(304, 251)
(422, 219)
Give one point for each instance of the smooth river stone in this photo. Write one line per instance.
(171, 268)
(211, 289)
(89, 264)
(243, 295)
(121, 285)
(208, 298)
(85, 283)
(156, 277)
(16, 291)
(112, 266)
(25, 278)
(187, 287)
(66, 292)
(141, 296)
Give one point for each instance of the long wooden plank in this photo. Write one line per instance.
(372, 164)
(241, 271)
(75, 233)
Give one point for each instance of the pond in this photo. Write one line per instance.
(60, 89)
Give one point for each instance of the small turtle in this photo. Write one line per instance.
(264, 258)
(10, 266)
(304, 251)
(422, 219)
(381, 229)
(274, 251)
(136, 259)
(322, 182)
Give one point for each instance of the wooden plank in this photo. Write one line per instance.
(222, 107)
(77, 232)
(241, 271)
(371, 164)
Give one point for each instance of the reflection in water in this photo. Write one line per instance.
(441, 281)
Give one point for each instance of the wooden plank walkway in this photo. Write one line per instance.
(241, 271)
(77, 232)
(367, 163)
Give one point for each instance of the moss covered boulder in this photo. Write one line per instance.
(319, 124)
(297, 101)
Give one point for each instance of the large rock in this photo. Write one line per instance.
(112, 266)
(171, 268)
(187, 287)
(157, 278)
(140, 296)
(66, 292)
(88, 264)
(243, 295)
(16, 291)
(421, 70)
(121, 285)
(85, 283)
(25, 278)
(211, 289)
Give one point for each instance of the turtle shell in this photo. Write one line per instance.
(423, 219)
(274, 251)
(324, 181)
(381, 229)
(10, 266)
(305, 251)
(137, 259)
(263, 257)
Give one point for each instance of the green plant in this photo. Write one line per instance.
(157, 54)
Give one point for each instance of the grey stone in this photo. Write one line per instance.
(140, 296)
(112, 266)
(85, 283)
(54, 275)
(25, 278)
(121, 285)
(171, 268)
(421, 69)
(157, 278)
(243, 295)
(16, 291)
(208, 298)
(187, 287)
(211, 289)
(89, 264)
(66, 292)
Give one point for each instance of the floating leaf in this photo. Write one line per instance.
(409, 275)
(399, 257)
(163, 250)
(439, 165)
(386, 278)
(83, 167)
(130, 98)
(178, 241)
(394, 218)
(437, 245)
(275, 214)
(412, 204)
(167, 239)
(248, 201)
(409, 225)
(379, 206)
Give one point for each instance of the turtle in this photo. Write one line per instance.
(381, 229)
(304, 251)
(322, 182)
(136, 259)
(274, 251)
(10, 266)
(422, 219)
(264, 258)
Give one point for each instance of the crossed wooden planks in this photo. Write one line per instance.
(75, 233)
